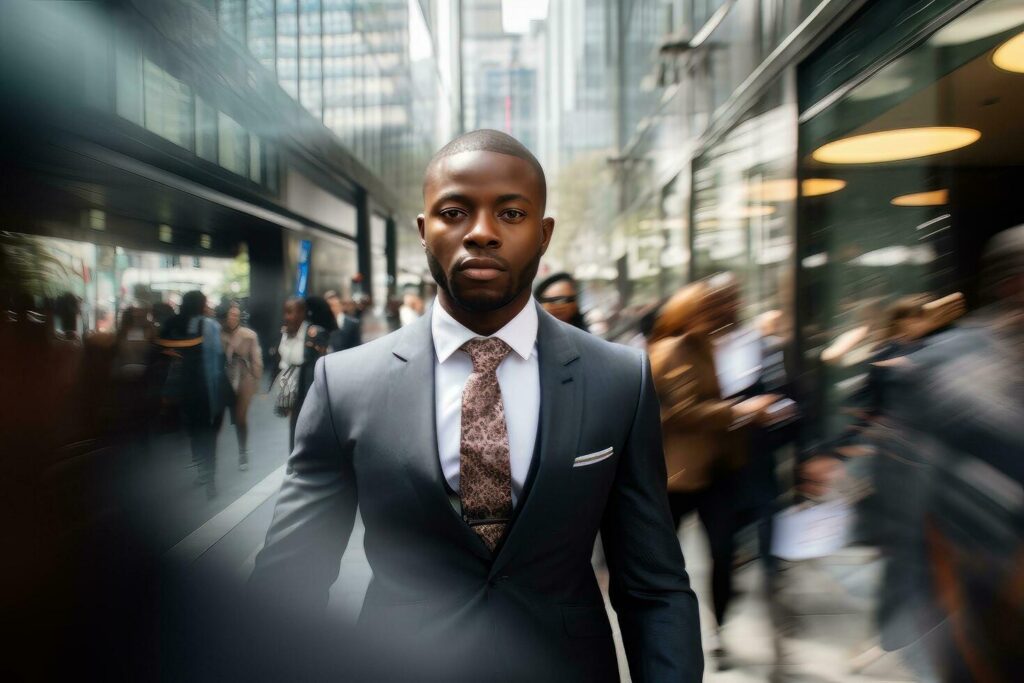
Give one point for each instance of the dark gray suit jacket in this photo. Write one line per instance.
(367, 435)
(346, 336)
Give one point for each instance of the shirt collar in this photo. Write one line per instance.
(449, 334)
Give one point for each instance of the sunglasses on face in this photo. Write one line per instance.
(557, 299)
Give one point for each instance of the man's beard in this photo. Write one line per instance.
(517, 284)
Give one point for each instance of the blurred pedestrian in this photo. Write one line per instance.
(348, 333)
(131, 404)
(161, 313)
(949, 432)
(334, 301)
(412, 307)
(706, 376)
(559, 295)
(291, 354)
(193, 342)
(304, 338)
(244, 363)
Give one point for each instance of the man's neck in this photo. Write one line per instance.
(484, 323)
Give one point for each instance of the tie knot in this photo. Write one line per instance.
(486, 354)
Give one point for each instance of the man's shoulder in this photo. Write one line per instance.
(602, 354)
(367, 355)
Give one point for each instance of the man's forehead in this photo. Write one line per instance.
(479, 165)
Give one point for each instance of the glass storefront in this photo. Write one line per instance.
(333, 262)
(106, 280)
(744, 203)
(906, 175)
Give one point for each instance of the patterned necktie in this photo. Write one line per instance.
(485, 476)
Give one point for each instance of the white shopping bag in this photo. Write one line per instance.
(807, 531)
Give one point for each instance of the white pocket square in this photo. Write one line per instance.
(592, 458)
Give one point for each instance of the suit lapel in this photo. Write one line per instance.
(561, 409)
(411, 402)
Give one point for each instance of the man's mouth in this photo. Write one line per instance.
(482, 269)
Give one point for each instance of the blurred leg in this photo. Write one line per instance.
(242, 427)
(681, 503)
(718, 517)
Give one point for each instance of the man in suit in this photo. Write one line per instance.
(348, 333)
(486, 445)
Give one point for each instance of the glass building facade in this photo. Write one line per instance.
(237, 122)
(724, 115)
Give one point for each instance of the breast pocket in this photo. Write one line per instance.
(591, 459)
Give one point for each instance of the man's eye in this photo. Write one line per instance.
(513, 214)
(451, 214)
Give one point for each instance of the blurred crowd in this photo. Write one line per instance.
(929, 466)
(927, 469)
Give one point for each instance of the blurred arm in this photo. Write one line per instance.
(649, 587)
(315, 511)
(684, 410)
(257, 357)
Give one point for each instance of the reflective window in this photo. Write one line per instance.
(255, 159)
(168, 105)
(260, 34)
(233, 145)
(733, 50)
(310, 57)
(744, 199)
(333, 264)
(905, 177)
(288, 46)
(231, 17)
(206, 130)
(128, 80)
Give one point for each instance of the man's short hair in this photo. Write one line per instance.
(488, 140)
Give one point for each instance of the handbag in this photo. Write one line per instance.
(287, 391)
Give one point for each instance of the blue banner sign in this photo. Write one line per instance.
(302, 276)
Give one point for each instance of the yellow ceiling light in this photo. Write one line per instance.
(777, 190)
(814, 187)
(895, 145)
(933, 198)
(1010, 55)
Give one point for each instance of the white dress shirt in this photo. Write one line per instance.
(292, 350)
(518, 377)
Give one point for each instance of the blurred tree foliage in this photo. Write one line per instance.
(580, 201)
(28, 269)
(236, 278)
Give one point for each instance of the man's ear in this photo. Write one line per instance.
(547, 227)
(421, 223)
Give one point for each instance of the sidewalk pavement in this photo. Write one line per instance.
(831, 606)
(159, 489)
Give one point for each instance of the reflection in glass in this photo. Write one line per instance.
(744, 202)
(232, 145)
(930, 172)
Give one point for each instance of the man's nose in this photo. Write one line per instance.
(484, 235)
